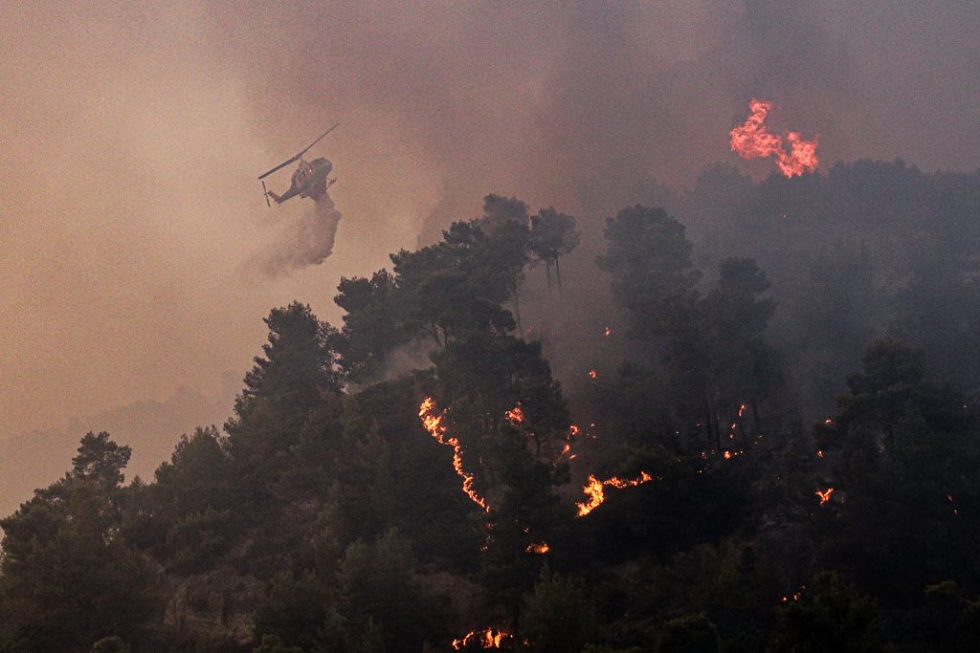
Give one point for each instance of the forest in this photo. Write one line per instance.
(741, 417)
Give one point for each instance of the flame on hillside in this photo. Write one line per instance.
(566, 447)
(796, 596)
(433, 424)
(736, 421)
(485, 638)
(595, 490)
(825, 495)
(753, 140)
(956, 512)
(538, 547)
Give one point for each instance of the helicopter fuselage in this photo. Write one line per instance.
(310, 179)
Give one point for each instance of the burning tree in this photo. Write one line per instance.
(480, 379)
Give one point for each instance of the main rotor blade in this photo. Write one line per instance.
(319, 138)
(300, 154)
(278, 167)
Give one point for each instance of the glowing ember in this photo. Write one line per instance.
(592, 374)
(596, 493)
(538, 547)
(485, 638)
(752, 140)
(796, 595)
(433, 424)
(566, 447)
(825, 495)
(516, 415)
(735, 423)
(956, 512)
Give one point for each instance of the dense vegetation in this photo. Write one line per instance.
(785, 436)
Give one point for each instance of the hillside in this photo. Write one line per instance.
(746, 420)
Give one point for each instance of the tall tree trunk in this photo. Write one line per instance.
(517, 311)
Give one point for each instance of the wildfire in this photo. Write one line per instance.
(956, 512)
(433, 424)
(538, 547)
(752, 140)
(596, 492)
(825, 495)
(735, 423)
(486, 638)
(515, 415)
(796, 596)
(566, 446)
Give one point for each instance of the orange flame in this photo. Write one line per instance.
(538, 547)
(735, 423)
(596, 493)
(566, 447)
(825, 495)
(796, 596)
(433, 424)
(485, 638)
(752, 140)
(515, 415)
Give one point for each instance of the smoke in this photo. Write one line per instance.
(581, 106)
(307, 241)
(133, 133)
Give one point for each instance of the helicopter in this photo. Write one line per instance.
(309, 180)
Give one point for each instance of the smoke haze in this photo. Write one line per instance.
(132, 222)
(307, 241)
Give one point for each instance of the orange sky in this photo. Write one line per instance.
(132, 135)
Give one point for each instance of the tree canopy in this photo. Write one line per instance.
(753, 433)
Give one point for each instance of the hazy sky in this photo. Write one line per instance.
(132, 135)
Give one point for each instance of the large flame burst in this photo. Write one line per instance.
(596, 492)
(433, 424)
(752, 140)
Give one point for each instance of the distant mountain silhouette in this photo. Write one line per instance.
(152, 428)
